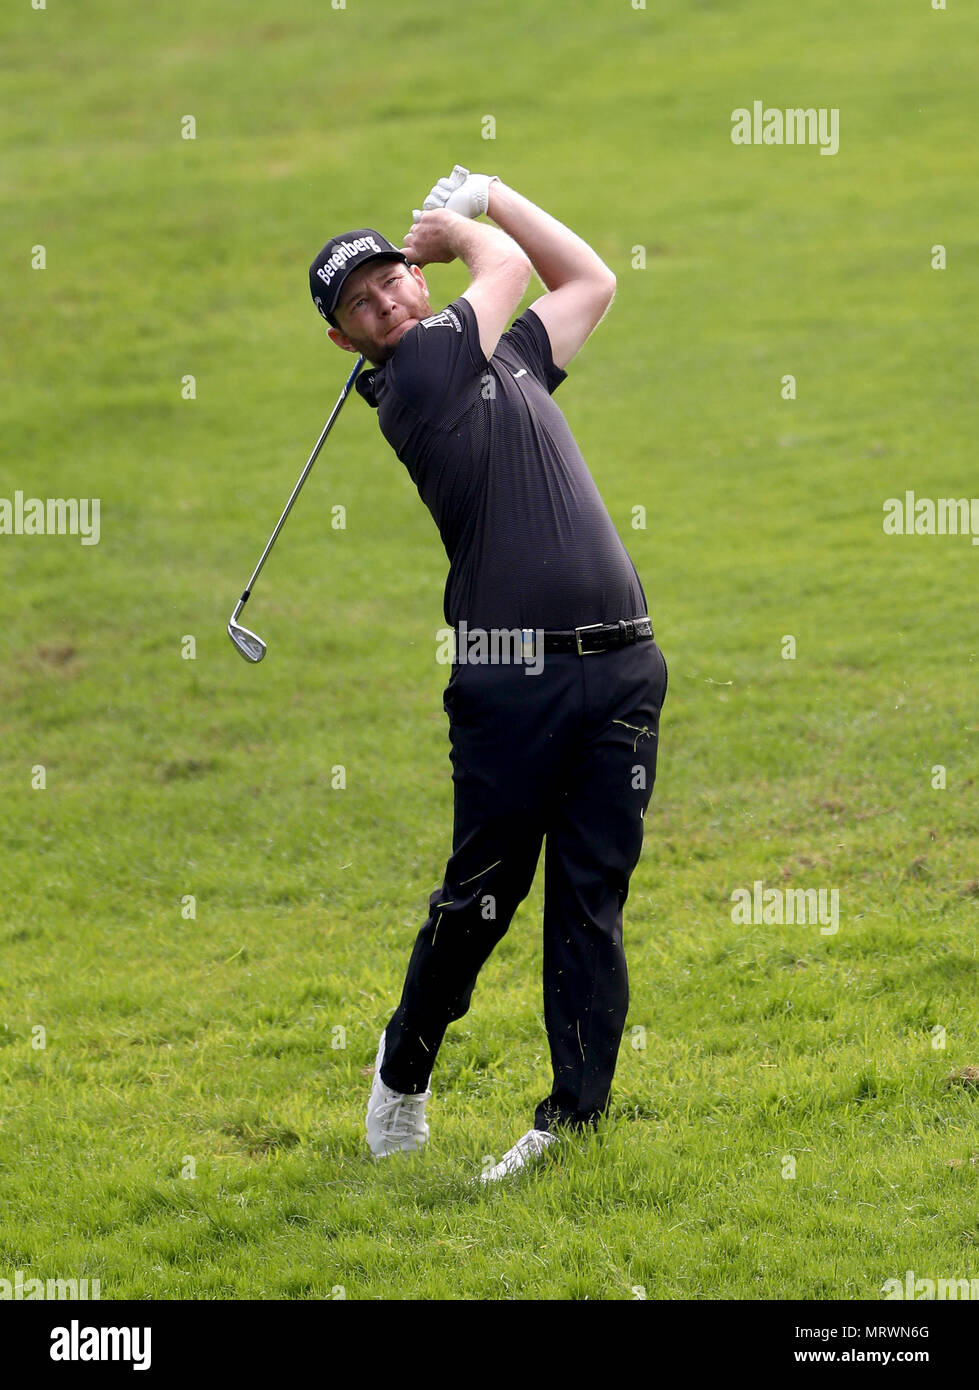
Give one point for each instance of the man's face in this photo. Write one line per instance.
(379, 303)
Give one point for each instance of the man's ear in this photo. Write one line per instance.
(415, 271)
(342, 341)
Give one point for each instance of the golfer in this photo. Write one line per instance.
(553, 736)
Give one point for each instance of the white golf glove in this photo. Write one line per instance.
(462, 192)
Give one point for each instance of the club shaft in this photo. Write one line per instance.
(297, 489)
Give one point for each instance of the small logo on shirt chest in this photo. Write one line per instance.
(448, 318)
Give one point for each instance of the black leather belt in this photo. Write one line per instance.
(598, 637)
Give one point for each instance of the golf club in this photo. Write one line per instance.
(248, 643)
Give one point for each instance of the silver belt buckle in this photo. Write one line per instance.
(577, 637)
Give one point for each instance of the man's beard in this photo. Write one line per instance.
(377, 351)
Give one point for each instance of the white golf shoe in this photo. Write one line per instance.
(394, 1121)
(524, 1151)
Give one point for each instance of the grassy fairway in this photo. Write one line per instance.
(193, 1125)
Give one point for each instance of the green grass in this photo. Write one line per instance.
(207, 1045)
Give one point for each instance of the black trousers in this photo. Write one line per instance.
(568, 754)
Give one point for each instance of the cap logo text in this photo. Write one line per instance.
(346, 251)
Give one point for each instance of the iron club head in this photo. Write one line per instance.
(248, 643)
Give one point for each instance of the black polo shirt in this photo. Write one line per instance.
(529, 541)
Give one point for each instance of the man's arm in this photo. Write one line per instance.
(500, 270)
(580, 285)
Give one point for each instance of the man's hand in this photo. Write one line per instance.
(429, 237)
(462, 192)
